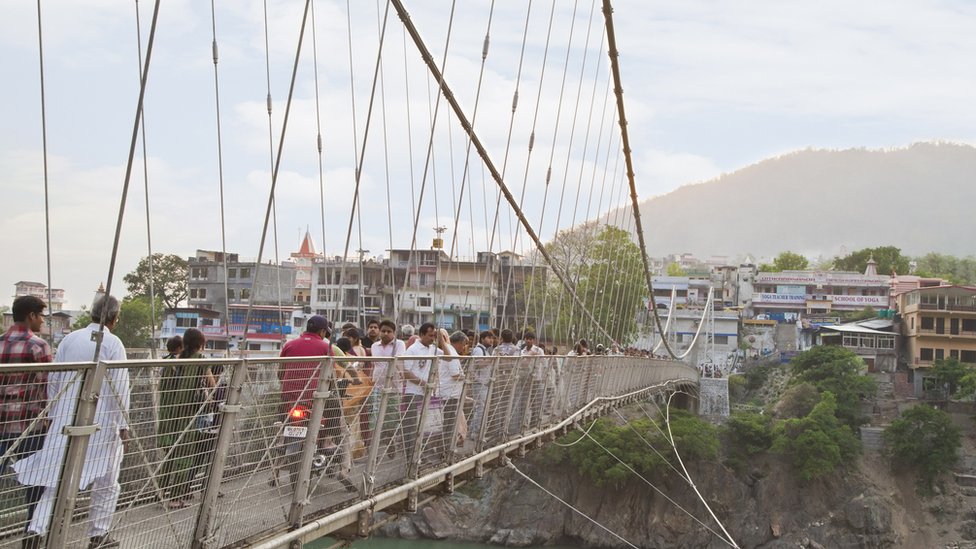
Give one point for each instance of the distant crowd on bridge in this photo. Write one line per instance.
(428, 398)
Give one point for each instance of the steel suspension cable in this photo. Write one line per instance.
(496, 175)
(360, 155)
(274, 204)
(386, 163)
(277, 166)
(71, 465)
(47, 211)
(405, 19)
(625, 139)
(413, 185)
(145, 179)
(220, 177)
(319, 149)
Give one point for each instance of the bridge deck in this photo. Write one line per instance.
(526, 400)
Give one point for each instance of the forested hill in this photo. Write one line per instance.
(921, 198)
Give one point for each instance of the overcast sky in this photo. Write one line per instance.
(710, 87)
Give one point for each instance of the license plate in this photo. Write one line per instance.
(293, 431)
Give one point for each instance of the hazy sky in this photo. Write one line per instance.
(710, 86)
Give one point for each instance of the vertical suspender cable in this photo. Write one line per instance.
(220, 180)
(47, 214)
(145, 179)
(274, 204)
(277, 166)
(318, 146)
(479, 146)
(625, 140)
(71, 466)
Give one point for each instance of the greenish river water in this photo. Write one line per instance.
(387, 543)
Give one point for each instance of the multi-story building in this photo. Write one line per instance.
(304, 260)
(36, 289)
(873, 340)
(791, 295)
(268, 290)
(415, 303)
(465, 292)
(936, 323)
(353, 291)
(178, 320)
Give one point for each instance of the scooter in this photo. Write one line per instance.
(288, 450)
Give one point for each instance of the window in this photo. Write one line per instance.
(886, 342)
(245, 294)
(940, 354)
(925, 355)
(206, 322)
(968, 357)
(231, 294)
(954, 353)
(184, 322)
(969, 324)
(245, 272)
(850, 340)
(299, 322)
(193, 293)
(424, 302)
(927, 323)
(203, 293)
(231, 273)
(721, 340)
(198, 272)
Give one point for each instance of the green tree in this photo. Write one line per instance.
(82, 320)
(605, 269)
(135, 327)
(954, 269)
(923, 439)
(888, 258)
(747, 434)
(950, 373)
(837, 370)
(816, 444)
(786, 261)
(170, 277)
(674, 269)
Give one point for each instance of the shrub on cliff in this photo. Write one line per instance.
(923, 439)
(837, 370)
(697, 440)
(747, 434)
(818, 443)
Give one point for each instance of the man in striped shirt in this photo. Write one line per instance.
(23, 395)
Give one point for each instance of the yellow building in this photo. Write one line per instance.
(938, 323)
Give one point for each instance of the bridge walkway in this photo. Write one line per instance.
(219, 452)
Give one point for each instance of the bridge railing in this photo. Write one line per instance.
(208, 462)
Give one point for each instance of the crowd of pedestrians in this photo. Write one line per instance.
(414, 389)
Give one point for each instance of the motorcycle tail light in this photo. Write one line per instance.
(298, 413)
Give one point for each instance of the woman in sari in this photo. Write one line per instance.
(185, 390)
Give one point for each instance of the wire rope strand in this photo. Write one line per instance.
(220, 175)
(688, 476)
(47, 211)
(658, 490)
(145, 178)
(459, 113)
(360, 154)
(277, 165)
(625, 139)
(319, 148)
(567, 504)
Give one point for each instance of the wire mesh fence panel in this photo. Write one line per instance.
(32, 400)
(500, 400)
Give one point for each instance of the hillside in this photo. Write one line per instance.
(918, 198)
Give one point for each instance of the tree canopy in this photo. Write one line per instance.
(837, 370)
(607, 274)
(924, 439)
(818, 443)
(888, 258)
(954, 269)
(786, 261)
(170, 277)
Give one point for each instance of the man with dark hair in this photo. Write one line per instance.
(507, 346)
(23, 394)
(103, 459)
(372, 334)
(174, 346)
(450, 383)
(480, 374)
(387, 345)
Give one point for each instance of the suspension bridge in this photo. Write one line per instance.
(242, 488)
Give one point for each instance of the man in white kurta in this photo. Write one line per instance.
(105, 448)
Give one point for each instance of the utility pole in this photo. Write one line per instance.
(360, 313)
(438, 247)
